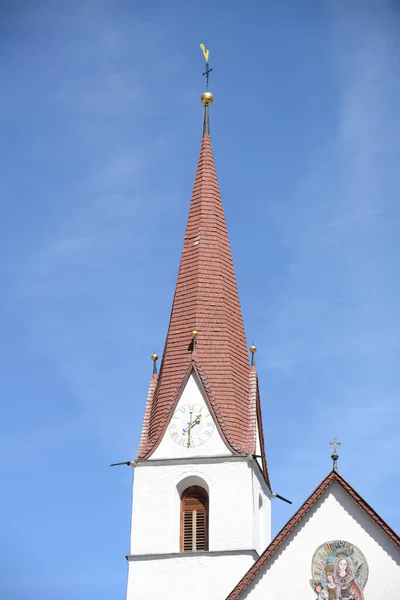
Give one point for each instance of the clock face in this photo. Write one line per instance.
(191, 425)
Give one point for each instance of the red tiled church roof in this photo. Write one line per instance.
(206, 299)
(295, 520)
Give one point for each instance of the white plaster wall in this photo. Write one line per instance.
(336, 516)
(214, 446)
(231, 485)
(186, 576)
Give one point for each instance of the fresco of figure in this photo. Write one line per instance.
(345, 580)
(339, 571)
(331, 591)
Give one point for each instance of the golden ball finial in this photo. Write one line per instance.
(253, 349)
(207, 98)
(194, 334)
(154, 357)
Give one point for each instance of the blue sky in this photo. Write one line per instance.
(101, 125)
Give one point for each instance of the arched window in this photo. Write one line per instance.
(194, 519)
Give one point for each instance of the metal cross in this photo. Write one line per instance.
(334, 444)
(207, 74)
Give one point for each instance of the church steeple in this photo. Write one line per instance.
(206, 300)
(201, 485)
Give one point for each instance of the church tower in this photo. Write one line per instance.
(201, 493)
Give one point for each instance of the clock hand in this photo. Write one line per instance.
(196, 420)
(191, 424)
(190, 430)
(186, 429)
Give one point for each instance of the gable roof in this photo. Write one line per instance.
(206, 299)
(298, 517)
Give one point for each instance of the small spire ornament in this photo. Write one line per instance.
(335, 455)
(194, 335)
(154, 358)
(253, 351)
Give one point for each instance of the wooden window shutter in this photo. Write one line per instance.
(194, 520)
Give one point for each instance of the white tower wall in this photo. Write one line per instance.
(239, 504)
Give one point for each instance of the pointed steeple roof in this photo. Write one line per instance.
(206, 299)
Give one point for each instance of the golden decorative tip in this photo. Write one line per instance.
(253, 349)
(207, 98)
(194, 334)
(154, 357)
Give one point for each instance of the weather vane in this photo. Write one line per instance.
(207, 72)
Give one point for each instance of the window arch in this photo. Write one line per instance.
(194, 519)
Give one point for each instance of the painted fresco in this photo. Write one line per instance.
(340, 571)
